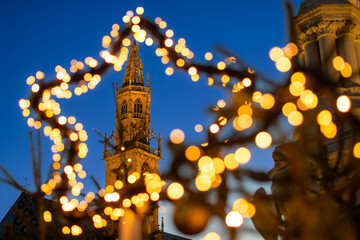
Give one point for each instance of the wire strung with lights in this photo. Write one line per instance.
(252, 114)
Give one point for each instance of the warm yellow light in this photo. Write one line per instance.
(221, 65)
(135, 28)
(126, 203)
(126, 42)
(347, 71)
(169, 71)
(56, 166)
(198, 128)
(240, 205)
(68, 169)
(140, 10)
(73, 137)
(295, 118)
(263, 140)
(195, 77)
(132, 179)
(210, 81)
(324, 118)
(222, 121)
(356, 150)
(154, 196)
(39, 75)
(291, 49)
(192, 71)
(208, 56)
(30, 80)
(283, 64)
(288, 108)
(108, 211)
(71, 120)
(338, 63)
(168, 42)
(169, 33)
(230, 161)
(256, 96)
(193, 153)
(203, 182)
(221, 103)
(329, 131)
(298, 77)
(162, 24)
(76, 230)
(135, 20)
(109, 189)
(180, 62)
(234, 219)
(177, 136)
(175, 191)
(219, 165)
(205, 164)
(66, 230)
(309, 99)
(149, 41)
(246, 82)
(56, 157)
(251, 210)
(96, 218)
(126, 19)
(119, 184)
(343, 103)
(47, 216)
(140, 35)
(267, 101)
(62, 120)
(214, 128)
(296, 88)
(35, 88)
(276, 53)
(114, 33)
(242, 155)
(212, 236)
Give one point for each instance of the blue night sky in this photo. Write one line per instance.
(38, 35)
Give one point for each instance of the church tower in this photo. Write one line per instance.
(128, 149)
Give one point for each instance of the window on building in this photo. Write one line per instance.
(138, 108)
(122, 172)
(123, 108)
(145, 168)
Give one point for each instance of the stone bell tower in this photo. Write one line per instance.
(128, 149)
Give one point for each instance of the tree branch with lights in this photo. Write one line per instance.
(315, 194)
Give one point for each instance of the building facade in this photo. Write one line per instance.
(330, 28)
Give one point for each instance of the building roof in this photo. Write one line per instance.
(168, 236)
(311, 4)
(22, 222)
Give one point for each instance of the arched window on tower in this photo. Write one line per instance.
(122, 172)
(145, 168)
(123, 109)
(138, 108)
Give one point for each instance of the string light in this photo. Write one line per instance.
(209, 169)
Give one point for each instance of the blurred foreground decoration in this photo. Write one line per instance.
(315, 180)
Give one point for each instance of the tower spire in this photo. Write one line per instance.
(133, 72)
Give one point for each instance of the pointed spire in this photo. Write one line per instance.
(148, 81)
(133, 72)
(117, 83)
